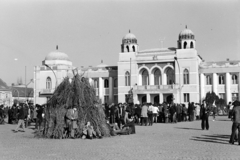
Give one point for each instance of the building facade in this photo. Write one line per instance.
(154, 75)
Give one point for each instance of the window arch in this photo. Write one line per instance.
(185, 76)
(234, 79)
(185, 45)
(157, 77)
(48, 83)
(133, 48)
(221, 79)
(191, 45)
(145, 78)
(106, 83)
(170, 76)
(127, 48)
(127, 79)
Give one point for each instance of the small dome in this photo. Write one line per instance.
(56, 55)
(129, 38)
(186, 34)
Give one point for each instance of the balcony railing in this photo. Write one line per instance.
(157, 87)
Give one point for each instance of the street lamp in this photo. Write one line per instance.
(53, 73)
(175, 58)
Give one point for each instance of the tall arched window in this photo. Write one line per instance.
(133, 48)
(127, 48)
(221, 79)
(185, 76)
(48, 83)
(191, 45)
(145, 78)
(106, 83)
(185, 45)
(127, 79)
(234, 79)
(157, 75)
(170, 76)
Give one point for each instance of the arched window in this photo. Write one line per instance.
(221, 79)
(208, 80)
(115, 83)
(170, 76)
(157, 75)
(106, 83)
(127, 48)
(234, 79)
(191, 45)
(48, 83)
(133, 48)
(185, 76)
(185, 45)
(145, 78)
(127, 79)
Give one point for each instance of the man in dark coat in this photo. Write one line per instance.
(204, 114)
(21, 118)
(236, 122)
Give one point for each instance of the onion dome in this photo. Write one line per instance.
(186, 34)
(129, 38)
(56, 55)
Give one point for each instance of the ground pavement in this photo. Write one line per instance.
(181, 141)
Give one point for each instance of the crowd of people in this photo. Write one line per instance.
(147, 113)
(123, 117)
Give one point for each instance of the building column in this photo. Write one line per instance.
(151, 79)
(228, 90)
(202, 86)
(164, 79)
(90, 81)
(215, 83)
(100, 89)
(148, 98)
(161, 100)
(111, 94)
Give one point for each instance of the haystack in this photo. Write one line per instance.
(78, 93)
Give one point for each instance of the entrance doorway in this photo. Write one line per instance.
(156, 99)
(168, 98)
(144, 99)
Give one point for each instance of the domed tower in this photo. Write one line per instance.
(57, 58)
(186, 39)
(129, 43)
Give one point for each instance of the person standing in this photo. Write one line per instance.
(144, 114)
(155, 113)
(204, 114)
(236, 122)
(21, 118)
(150, 114)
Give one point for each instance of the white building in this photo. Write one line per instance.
(155, 75)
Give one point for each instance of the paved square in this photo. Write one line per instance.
(181, 141)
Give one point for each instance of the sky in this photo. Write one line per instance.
(89, 31)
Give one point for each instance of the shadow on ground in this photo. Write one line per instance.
(215, 138)
(188, 128)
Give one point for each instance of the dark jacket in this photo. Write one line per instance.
(236, 114)
(204, 111)
(21, 114)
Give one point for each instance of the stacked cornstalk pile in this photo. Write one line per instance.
(77, 93)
